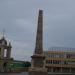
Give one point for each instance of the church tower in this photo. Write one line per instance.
(5, 54)
(38, 58)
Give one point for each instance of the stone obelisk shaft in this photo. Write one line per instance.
(39, 36)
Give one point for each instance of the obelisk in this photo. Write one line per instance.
(38, 58)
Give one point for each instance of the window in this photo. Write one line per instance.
(56, 62)
(49, 61)
(55, 55)
(5, 53)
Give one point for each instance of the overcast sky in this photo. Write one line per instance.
(19, 19)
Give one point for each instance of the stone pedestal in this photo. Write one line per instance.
(34, 71)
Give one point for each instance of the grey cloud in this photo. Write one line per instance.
(19, 19)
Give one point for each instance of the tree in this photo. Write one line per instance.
(26, 64)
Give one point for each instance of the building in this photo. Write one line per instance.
(60, 60)
(5, 54)
(19, 66)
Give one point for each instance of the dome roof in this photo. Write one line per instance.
(3, 39)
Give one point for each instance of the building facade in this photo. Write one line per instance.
(60, 61)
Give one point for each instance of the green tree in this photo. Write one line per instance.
(26, 64)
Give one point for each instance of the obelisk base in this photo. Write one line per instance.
(38, 72)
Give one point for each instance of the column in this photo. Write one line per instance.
(70, 69)
(52, 69)
(61, 69)
(2, 52)
(8, 53)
